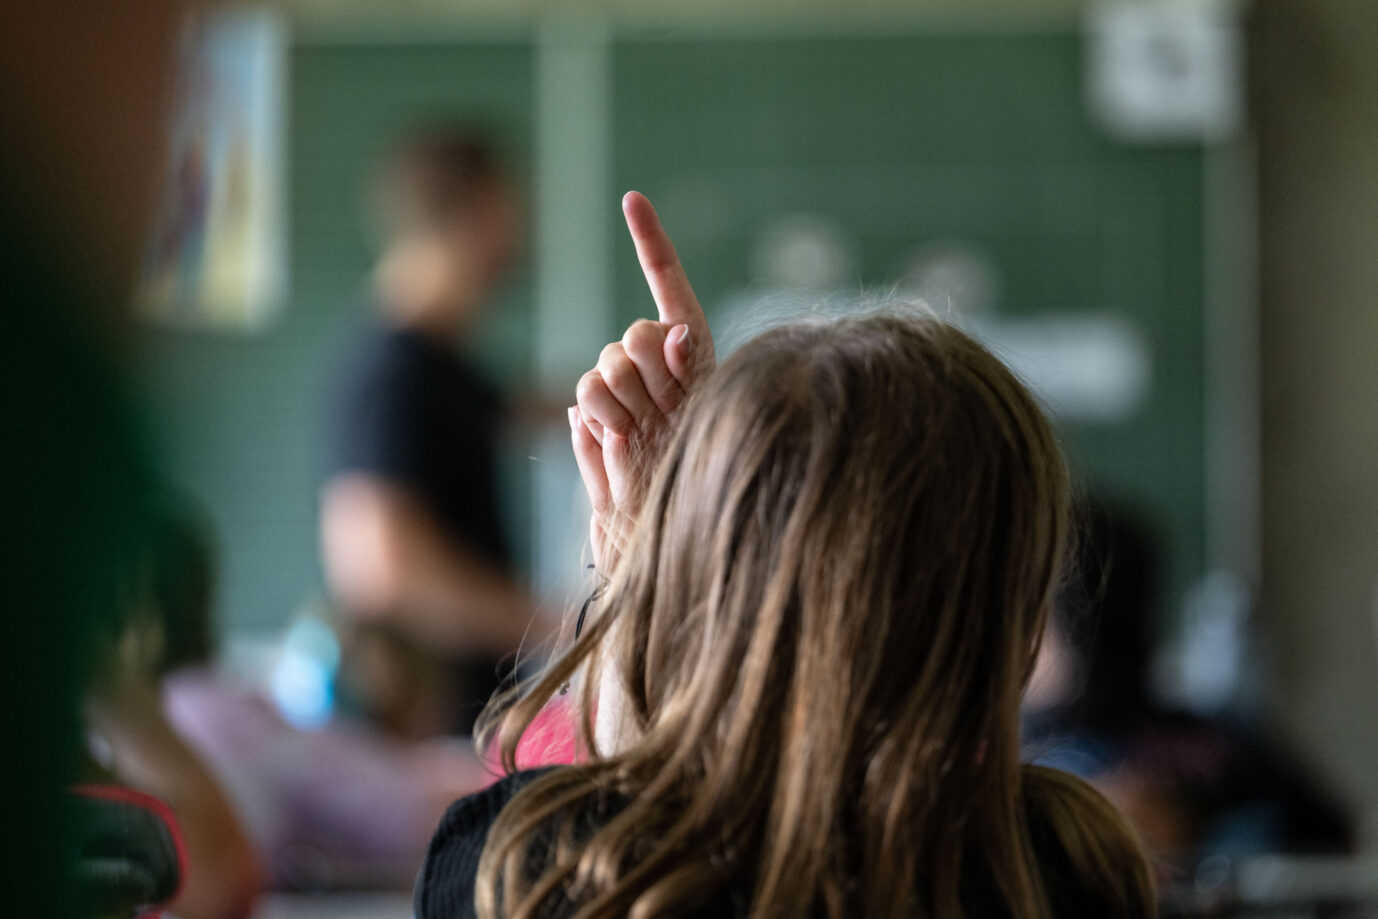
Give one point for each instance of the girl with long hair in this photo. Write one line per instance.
(829, 563)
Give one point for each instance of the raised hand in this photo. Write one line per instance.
(674, 298)
(626, 404)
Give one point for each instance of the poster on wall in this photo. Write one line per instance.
(218, 257)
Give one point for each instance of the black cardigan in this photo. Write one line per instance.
(445, 885)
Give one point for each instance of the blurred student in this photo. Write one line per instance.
(168, 626)
(411, 532)
(259, 802)
(830, 560)
(83, 92)
(1195, 785)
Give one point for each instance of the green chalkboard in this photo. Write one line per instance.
(980, 137)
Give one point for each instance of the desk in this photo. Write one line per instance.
(335, 906)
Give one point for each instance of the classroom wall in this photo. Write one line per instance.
(237, 413)
(1315, 81)
(962, 132)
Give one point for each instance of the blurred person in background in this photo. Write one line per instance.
(84, 89)
(1194, 784)
(338, 806)
(167, 626)
(413, 543)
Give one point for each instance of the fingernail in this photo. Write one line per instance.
(682, 343)
(573, 416)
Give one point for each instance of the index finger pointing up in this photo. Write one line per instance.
(674, 297)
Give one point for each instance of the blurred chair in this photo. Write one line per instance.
(129, 858)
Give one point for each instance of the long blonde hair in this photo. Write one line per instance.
(822, 628)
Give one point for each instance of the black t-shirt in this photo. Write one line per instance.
(409, 410)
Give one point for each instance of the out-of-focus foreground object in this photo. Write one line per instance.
(82, 88)
(129, 857)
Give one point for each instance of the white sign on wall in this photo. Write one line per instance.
(1165, 71)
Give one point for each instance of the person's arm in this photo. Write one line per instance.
(223, 877)
(386, 556)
